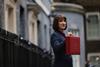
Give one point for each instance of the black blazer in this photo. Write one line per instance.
(58, 45)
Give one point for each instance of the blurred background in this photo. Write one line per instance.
(29, 22)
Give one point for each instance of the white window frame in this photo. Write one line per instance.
(10, 4)
(32, 23)
(92, 13)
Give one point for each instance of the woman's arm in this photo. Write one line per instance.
(56, 42)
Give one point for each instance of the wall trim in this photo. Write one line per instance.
(67, 7)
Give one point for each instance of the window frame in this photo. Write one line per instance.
(90, 14)
(93, 54)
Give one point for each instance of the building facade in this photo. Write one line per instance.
(32, 15)
(44, 24)
(27, 19)
(25, 35)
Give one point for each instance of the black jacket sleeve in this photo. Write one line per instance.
(57, 42)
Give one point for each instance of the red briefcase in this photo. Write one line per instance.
(72, 45)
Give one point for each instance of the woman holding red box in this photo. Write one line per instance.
(58, 42)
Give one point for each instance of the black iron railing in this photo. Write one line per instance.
(17, 52)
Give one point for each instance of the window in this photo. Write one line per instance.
(10, 20)
(32, 35)
(22, 22)
(93, 25)
(10, 16)
(94, 59)
(45, 35)
(39, 33)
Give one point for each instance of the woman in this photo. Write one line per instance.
(58, 43)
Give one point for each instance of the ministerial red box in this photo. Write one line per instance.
(72, 45)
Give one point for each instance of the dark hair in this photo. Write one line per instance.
(57, 19)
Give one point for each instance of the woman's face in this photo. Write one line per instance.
(62, 25)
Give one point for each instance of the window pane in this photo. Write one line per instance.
(93, 27)
(93, 19)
